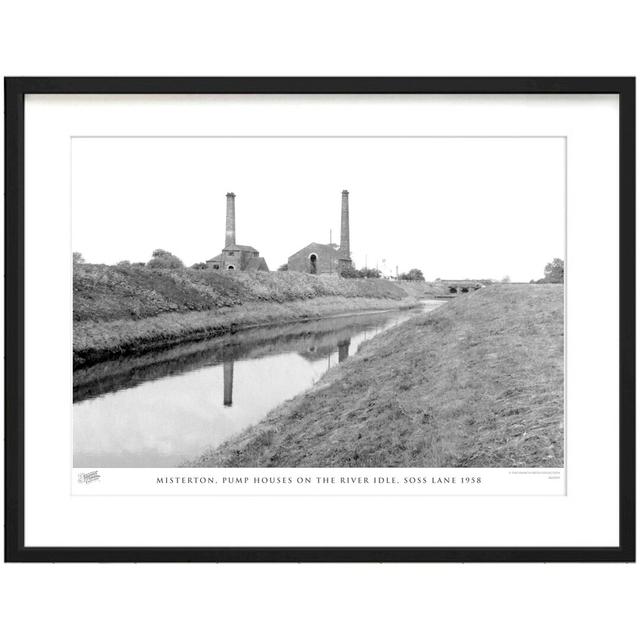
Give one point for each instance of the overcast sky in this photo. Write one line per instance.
(453, 207)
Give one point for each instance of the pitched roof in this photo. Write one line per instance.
(233, 247)
(316, 245)
(239, 247)
(256, 264)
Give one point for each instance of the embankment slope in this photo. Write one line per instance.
(127, 309)
(476, 383)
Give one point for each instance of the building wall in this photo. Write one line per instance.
(236, 259)
(326, 259)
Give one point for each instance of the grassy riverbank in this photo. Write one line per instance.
(476, 383)
(120, 310)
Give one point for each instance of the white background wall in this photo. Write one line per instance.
(331, 38)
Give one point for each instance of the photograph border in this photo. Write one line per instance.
(15, 91)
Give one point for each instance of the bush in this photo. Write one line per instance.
(350, 272)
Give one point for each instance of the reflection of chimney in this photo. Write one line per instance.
(345, 253)
(343, 349)
(227, 368)
(230, 235)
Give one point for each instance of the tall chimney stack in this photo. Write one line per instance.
(345, 253)
(230, 235)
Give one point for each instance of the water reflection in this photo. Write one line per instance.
(163, 408)
(312, 354)
(228, 383)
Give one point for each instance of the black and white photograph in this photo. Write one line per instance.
(318, 301)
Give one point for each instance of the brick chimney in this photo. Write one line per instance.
(345, 253)
(230, 235)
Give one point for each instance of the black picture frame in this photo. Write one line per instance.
(15, 91)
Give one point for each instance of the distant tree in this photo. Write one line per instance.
(77, 258)
(412, 274)
(369, 273)
(123, 263)
(554, 271)
(200, 265)
(283, 267)
(506, 280)
(164, 260)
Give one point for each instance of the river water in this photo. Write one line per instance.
(164, 408)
